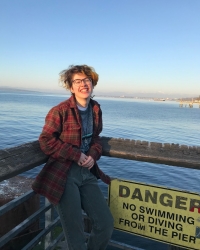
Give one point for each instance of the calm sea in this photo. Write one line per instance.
(22, 118)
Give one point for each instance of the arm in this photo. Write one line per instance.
(50, 142)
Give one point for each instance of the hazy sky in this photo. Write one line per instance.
(134, 45)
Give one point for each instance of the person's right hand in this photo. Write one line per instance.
(82, 159)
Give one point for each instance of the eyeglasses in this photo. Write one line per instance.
(78, 82)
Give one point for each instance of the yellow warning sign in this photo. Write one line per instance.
(159, 213)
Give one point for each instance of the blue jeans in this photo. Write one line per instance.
(82, 192)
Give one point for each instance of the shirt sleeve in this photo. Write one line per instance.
(50, 142)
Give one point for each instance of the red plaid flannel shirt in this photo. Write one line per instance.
(61, 140)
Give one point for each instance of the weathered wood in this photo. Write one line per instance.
(16, 160)
(169, 154)
(19, 159)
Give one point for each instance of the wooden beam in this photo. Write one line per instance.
(163, 153)
(16, 160)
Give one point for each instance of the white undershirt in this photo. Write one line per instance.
(82, 108)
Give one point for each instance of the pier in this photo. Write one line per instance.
(16, 160)
(189, 103)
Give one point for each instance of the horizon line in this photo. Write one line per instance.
(119, 94)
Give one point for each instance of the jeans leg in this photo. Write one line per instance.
(95, 206)
(70, 212)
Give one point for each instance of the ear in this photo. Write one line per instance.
(72, 90)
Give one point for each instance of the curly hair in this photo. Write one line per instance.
(67, 75)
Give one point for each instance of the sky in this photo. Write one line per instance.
(136, 46)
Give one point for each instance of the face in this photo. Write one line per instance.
(84, 89)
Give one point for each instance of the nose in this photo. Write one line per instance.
(83, 82)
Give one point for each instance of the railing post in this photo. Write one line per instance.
(49, 216)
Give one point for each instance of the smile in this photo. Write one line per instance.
(85, 90)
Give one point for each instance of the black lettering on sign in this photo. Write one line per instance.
(137, 194)
(132, 207)
(164, 232)
(142, 210)
(180, 201)
(137, 225)
(127, 223)
(192, 239)
(124, 191)
(121, 220)
(134, 216)
(124, 222)
(166, 202)
(165, 223)
(132, 224)
(149, 196)
(183, 237)
(190, 220)
(150, 210)
(141, 217)
(158, 230)
(141, 227)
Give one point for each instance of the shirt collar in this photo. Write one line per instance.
(73, 102)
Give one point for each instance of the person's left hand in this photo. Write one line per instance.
(89, 163)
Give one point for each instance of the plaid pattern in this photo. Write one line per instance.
(61, 140)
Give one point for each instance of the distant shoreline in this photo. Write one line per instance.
(20, 90)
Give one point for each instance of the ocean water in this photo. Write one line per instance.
(22, 117)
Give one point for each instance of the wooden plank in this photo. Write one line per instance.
(16, 160)
(163, 153)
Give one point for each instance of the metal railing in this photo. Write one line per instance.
(19, 159)
(24, 224)
(50, 224)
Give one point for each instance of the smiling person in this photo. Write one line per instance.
(70, 137)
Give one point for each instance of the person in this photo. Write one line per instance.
(70, 137)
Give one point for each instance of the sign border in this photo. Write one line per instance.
(152, 185)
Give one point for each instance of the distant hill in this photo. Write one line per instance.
(18, 90)
(7, 89)
(103, 94)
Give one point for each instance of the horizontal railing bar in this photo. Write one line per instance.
(15, 202)
(119, 244)
(122, 245)
(16, 160)
(16, 230)
(55, 242)
(19, 159)
(155, 152)
(44, 232)
(116, 244)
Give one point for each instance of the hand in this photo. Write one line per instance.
(89, 163)
(82, 159)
